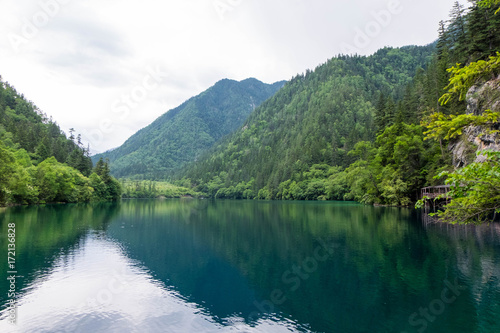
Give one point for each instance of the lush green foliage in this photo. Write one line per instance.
(489, 4)
(354, 128)
(445, 127)
(475, 190)
(22, 182)
(24, 126)
(107, 187)
(475, 194)
(38, 164)
(298, 143)
(182, 134)
(472, 34)
(463, 78)
(155, 189)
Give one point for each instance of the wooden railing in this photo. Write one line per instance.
(433, 192)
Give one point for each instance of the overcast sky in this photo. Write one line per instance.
(110, 67)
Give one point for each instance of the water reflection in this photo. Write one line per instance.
(88, 283)
(97, 288)
(44, 233)
(211, 266)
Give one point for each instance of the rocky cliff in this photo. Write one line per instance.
(481, 97)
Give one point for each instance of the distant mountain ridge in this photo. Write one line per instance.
(182, 134)
(317, 118)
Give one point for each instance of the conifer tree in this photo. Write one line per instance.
(442, 45)
(457, 33)
(484, 32)
(380, 109)
(43, 150)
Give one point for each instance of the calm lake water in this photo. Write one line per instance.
(246, 266)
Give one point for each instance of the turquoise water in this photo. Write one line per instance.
(247, 266)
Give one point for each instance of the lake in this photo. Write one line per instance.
(191, 265)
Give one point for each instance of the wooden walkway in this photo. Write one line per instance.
(435, 191)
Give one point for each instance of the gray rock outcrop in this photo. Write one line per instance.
(479, 98)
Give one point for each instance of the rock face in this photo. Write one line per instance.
(479, 98)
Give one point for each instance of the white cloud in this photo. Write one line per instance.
(76, 58)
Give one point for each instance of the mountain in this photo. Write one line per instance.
(376, 129)
(316, 119)
(181, 135)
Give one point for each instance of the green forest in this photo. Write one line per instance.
(183, 134)
(39, 164)
(299, 143)
(150, 189)
(371, 129)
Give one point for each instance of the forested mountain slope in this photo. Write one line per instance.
(373, 129)
(317, 118)
(182, 134)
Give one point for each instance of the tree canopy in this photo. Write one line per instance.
(39, 164)
(373, 129)
(183, 134)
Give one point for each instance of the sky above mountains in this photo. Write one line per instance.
(108, 68)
